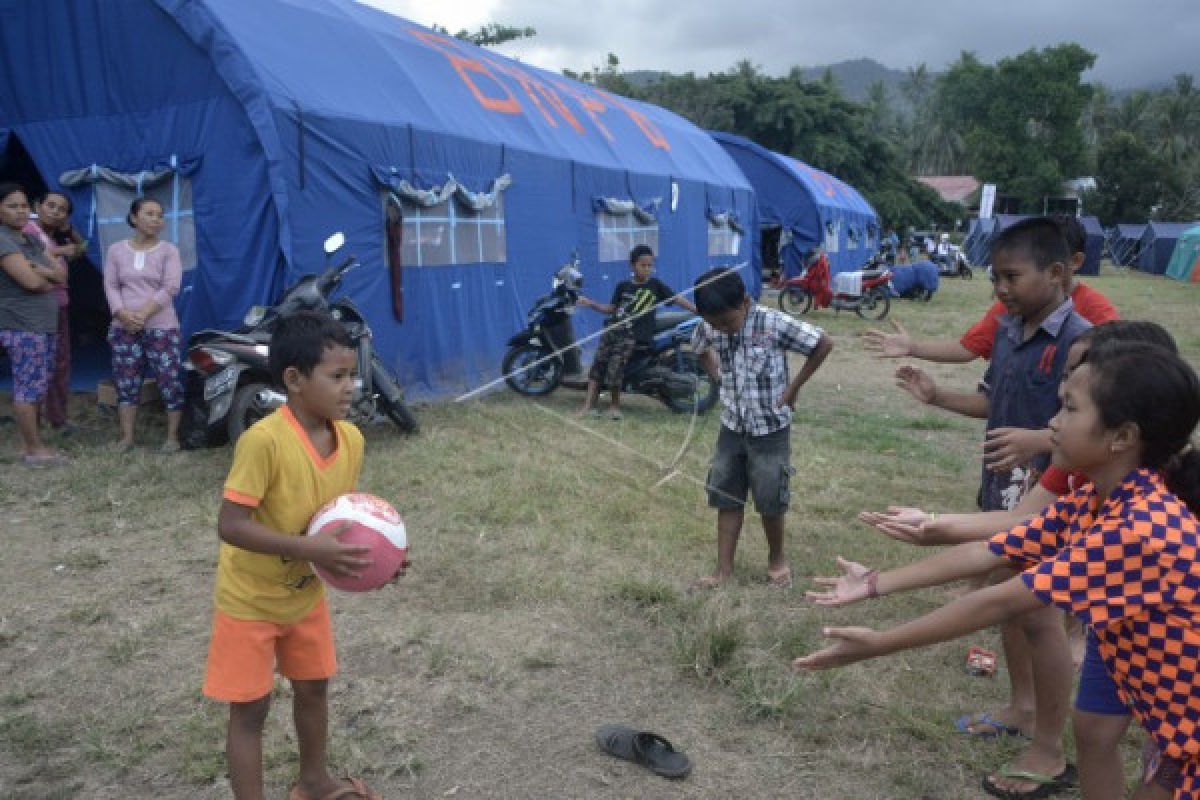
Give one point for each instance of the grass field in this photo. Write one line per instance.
(546, 598)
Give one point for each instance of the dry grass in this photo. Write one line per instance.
(547, 598)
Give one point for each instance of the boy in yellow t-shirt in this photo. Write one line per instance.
(270, 607)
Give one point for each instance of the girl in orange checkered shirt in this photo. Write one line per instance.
(1122, 553)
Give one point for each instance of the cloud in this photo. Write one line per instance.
(1136, 43)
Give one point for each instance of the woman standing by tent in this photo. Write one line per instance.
(142, 275)
(28, 317)
(62, 244)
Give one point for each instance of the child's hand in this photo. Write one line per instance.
(916, 382)
(888, 345)
(852, 644)
(343, 560)
(849, 588)
(903, 524)
(1005, 448)
(788, 399)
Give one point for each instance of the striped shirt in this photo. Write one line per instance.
(754, 370)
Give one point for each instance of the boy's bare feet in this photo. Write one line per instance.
(780, 577)
(348, 789)
(707, 582)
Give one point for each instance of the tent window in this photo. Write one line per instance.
(852, 238)
(621, 232)
(448, 233)
(723, 240)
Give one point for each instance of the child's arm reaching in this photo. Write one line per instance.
(236, 527)
(1005, 448)
(900, 345)
(859, 583)
(914, 526)
(972, 612)
(920, 385)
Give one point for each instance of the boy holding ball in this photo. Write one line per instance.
(271, 612)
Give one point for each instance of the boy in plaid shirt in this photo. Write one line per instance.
(743, 346)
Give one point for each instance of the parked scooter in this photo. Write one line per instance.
(814, 288)
(545, 355)
(953, 264)
(228, 386)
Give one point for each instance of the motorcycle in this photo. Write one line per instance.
(865, 293)
(227, 382)
(545, 355)
(953, 264)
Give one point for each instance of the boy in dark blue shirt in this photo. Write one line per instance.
(1020, 390)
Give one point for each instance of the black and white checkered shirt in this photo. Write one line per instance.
(754, 369)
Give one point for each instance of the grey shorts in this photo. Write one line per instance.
(759, 465)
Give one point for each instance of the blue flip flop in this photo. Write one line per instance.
(996, 728)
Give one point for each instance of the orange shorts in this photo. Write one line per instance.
(245, 653)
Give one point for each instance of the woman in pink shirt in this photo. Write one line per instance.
(141, 279)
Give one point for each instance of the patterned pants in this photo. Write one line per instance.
(135, 354)
(608, 368)
(30, 354)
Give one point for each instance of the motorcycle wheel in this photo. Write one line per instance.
(705, 395)
(244, 411)
(875, 304)
(391, 398)
(795, 301)
(531, 381)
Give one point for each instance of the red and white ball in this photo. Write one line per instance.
(372, 523)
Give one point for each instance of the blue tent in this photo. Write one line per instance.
(1158, 243)
(1126, 243)
(810, 206)
(1094, 247)
(978, 241)
(461, 178)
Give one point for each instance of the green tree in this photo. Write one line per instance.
(490, 35)
(1129, 178)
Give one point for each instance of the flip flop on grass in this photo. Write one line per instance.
(642, 747)
(970, 725)
(1046, 785)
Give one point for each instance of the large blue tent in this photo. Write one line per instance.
(461, 178)
(810, 207)
(1126, 242)
(1094, 246)
(1158, 243)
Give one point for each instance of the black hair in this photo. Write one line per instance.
(1073, 231)
(136, 206)
(1040, 237)
(11, 187)
(301, 339)
(638, 251)
(60, 193)
(1129, 330)
(719, 290)
(1155, 389)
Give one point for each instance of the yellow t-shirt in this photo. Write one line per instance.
(277, 472)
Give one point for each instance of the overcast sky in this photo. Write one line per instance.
(1137, 42)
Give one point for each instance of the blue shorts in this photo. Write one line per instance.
(1097, 690)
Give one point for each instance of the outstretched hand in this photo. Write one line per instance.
(916, 382)
(1006, 448)
(904, 524)
(338, 558)
(850, 645)
(848, 588)
(888, 345)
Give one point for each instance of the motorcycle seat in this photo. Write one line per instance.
(665, 320)
(869, 274)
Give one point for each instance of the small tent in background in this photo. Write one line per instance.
(1094, 246)
(1158, 242)
(810, 207)
(1185, 261)
(462, 179)
(1126, 244)
(978, 240)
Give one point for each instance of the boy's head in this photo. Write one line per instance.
(721, 299)
(1029, 266)
(641, 261)
(1076, 236)
(312, 357)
